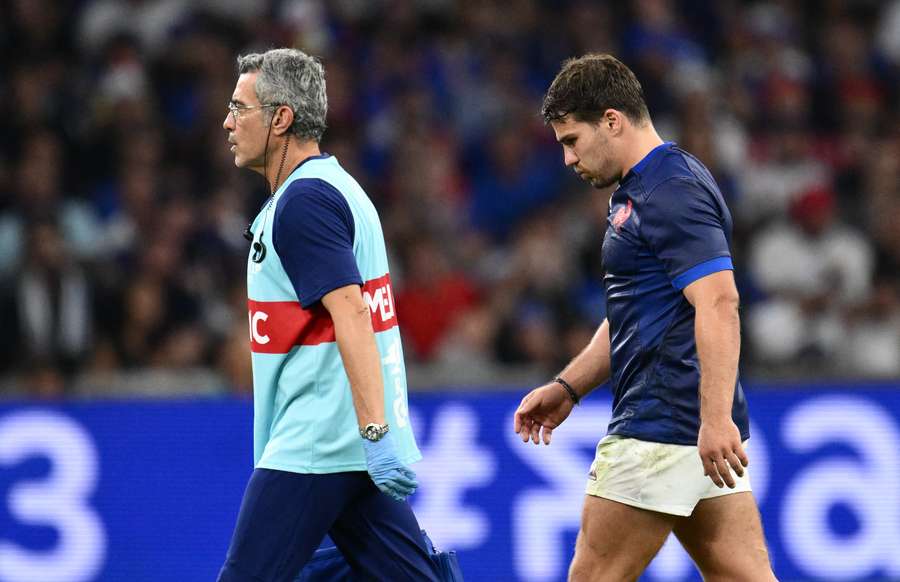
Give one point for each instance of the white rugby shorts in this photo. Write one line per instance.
(656, 476)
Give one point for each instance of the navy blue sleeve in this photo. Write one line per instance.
(685, 227)
(313, 234)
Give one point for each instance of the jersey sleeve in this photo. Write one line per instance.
(313, 235)
(685, 228)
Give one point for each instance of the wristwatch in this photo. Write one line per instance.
(373, 432)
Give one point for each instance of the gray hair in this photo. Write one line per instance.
(293, 78)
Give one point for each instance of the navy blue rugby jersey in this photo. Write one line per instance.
(668, 226)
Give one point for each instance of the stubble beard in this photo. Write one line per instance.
(607, 175)
(605, 182)
(601, 181)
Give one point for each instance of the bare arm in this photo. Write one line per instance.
(718, 335)
(591, 367)
(356, 342)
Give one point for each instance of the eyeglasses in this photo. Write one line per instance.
(237, 110)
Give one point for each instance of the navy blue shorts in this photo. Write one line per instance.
(284, 518)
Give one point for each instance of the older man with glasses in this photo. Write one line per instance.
(332, 437)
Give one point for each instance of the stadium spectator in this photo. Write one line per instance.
(813, 270)
(433, 298)
(510, 180)
(872, 338)
(40, 192)
(889, 31)
(49, 308)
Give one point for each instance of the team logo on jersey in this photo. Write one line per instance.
(621, 216)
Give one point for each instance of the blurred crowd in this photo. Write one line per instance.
(121, 212)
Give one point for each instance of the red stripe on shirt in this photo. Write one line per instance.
(278, 326)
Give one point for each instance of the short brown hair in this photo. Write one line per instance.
(589, 85)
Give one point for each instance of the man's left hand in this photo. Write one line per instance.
(721, 451)
(390, 475)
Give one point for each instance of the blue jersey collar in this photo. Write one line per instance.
(639, 167)
(320, 156)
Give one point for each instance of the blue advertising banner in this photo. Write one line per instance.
(149, 491)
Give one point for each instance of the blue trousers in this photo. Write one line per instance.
(284, 517)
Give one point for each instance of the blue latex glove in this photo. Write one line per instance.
(386, 470)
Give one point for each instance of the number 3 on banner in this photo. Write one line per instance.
(60, 501)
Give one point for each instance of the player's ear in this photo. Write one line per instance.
(613, 121)
(283, 120)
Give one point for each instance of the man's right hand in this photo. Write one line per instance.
(542, 410)
(390, 475)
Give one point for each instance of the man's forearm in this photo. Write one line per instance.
(591, 367)
(356, 342)
(718, 334)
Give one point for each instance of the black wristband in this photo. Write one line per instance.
(572, 394)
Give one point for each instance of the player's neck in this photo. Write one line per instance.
(297, 151)
(643, 141)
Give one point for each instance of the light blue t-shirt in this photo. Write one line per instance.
(319, 232)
